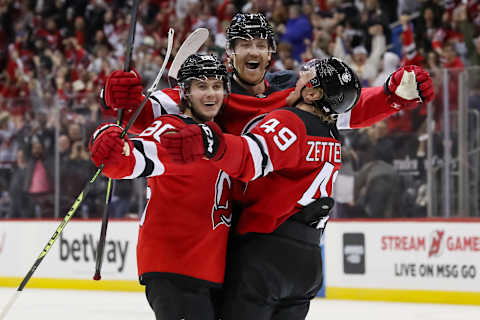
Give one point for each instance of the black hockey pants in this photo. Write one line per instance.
(171, 299)
(271, 276)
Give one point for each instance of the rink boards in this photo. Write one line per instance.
(391, 260)
(434, 261)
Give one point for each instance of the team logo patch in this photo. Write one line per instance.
(346, 77)
(221, 211)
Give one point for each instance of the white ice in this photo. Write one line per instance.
(100, 305)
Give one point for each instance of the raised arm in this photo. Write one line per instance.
(124, 90)
(125, 158)
(274, 144)
(404, 89)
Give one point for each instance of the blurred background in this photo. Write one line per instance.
(56, 55)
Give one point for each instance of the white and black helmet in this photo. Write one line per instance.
(341, 86)
(249, 26)
(202, 67)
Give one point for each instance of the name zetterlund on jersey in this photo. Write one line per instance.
(324, 151)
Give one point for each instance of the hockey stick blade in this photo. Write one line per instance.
(190, 46)
(154, 85)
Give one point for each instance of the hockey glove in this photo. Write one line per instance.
(195, 142)
(408, 86)
(108, 148)
(123, 90)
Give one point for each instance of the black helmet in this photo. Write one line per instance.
(201, 67)
(341, 87)
(248, 26)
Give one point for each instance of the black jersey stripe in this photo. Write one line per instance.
(262, 151)
(149, 166)
(162, 108)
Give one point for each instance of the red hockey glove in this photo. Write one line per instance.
(123, 90)
(408, 86)
(108, 148)
(195, 142)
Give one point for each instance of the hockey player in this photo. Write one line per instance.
(275, 265)
(183, 231)
(250, 45)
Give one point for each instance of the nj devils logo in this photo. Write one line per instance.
(221, 211)
(436, 243)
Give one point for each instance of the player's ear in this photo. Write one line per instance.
(312, 94)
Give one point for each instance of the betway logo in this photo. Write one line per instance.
(85, 249)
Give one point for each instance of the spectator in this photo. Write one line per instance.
(377, 184)
(75, 165)
(21, 204)
(39, 179)
(365, 66)
(429, 22)
(8, 147)
(390, 63)
(42, 74)
(296, 30)
(284, 57)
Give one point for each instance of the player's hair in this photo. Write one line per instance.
(200, 67)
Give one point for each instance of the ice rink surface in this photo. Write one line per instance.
(103, 305)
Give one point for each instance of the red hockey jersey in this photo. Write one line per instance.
(240, 107)
(292, 154)
(184, 227)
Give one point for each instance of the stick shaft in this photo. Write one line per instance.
(110, 183)
(9, 305)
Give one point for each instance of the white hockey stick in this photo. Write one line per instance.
(85, 191)
(154, 85)
(7, 307)
(190, 46)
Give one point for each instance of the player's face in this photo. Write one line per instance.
(206, 99)
(251, 58)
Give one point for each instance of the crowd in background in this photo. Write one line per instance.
(55, 57)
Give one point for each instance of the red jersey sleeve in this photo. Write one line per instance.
(273, 144)
(148, 157)
(161, 102)
(371, 108)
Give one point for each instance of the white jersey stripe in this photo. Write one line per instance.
(139, 165)
(343, 120)
(260, 156)
(256, 156)
(150, 150)
(166, 105)
(269, 165)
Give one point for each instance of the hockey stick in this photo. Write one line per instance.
(85, 191)
(54, 237)
(110, 184)
(190, 46)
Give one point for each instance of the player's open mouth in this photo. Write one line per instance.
(210, 104)
(252, 64)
